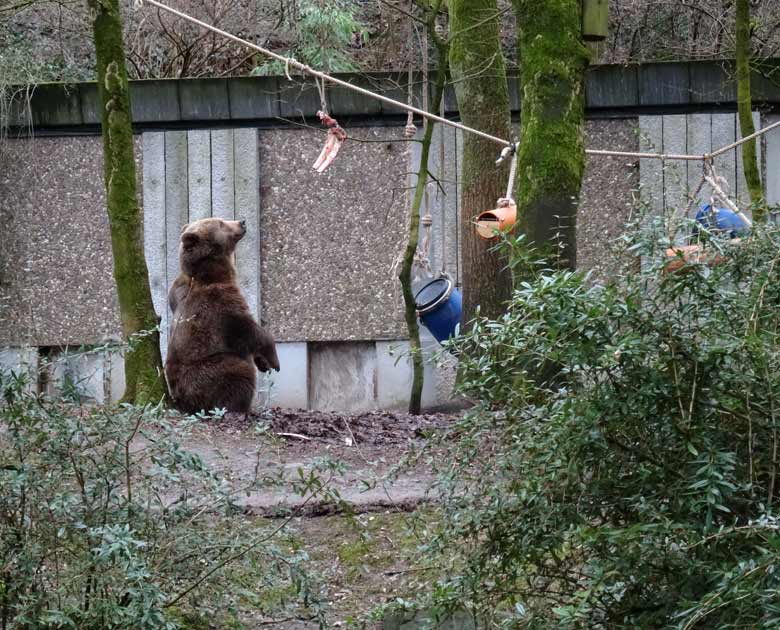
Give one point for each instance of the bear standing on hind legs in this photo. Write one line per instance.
(215, 343)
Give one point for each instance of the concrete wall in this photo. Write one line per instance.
(317, 264)
(668, 186)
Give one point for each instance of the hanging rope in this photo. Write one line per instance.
(422, 264)
(442, 204)
(290, 61)
(410, 130)
(321, 89)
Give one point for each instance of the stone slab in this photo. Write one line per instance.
(675, 171)
(611, 86)
(223, 199)
(204, 99)
(713, 82)
(723, 130)
(330, 239)
(90, 104)
(253, 97)
(772, 140)
(154, 101)
(155, 248)
(198, 174)
(344, 102)
(56, 271)
(699, 130)
(298, 98)
(651, 170)
(664, 84)
(342, 376)
(393, 374)
(56, 104)
(23, 362)
(607, 202)
(78, 374)
(247, 208)
(290, 385)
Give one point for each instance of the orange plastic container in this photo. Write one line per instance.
(501, 218)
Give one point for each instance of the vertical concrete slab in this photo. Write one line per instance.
(651, 174)
(81, 373)
(290, 385)
(114, 372)
(22, 361)
(222, 174)
(439, 371)
(199, 174)
(342, 376)
(154, 224)
(699, 128)
(443, 200)
(742, 194)
(675, 171)
(393, 374)
(176, 206)
(772, 145)
(723, 128)
(247, 204)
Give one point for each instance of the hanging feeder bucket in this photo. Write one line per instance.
(719, 221)
(501, 218)
(439, 306)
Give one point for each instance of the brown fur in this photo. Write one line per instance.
(215, 343)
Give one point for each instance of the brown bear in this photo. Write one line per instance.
(215, 342)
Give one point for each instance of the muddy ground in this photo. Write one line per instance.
(364, 547)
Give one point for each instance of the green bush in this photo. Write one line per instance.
(621, 467)
(106, 521)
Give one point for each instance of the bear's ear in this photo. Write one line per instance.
(184, 227)
(189, 240)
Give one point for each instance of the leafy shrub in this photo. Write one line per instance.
(621, 467)
(325, 33)
(106, 521)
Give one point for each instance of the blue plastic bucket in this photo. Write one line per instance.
(439, 307)
(722, 220)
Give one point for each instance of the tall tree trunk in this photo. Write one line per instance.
(144, 379)
(745, 105)
(479, 76)
(551, 162)
(405, 275)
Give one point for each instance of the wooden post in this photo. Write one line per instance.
(595, 20)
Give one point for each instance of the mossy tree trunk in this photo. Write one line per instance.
(405, 275)
(479, 75)
(144, 379)
(553, 59)
(745, 106)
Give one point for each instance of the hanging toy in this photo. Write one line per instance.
(336, 135)
(501, 218)
(439, 302)
(729, 222)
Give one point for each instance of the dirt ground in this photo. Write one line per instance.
(365, 547)
(369, 448)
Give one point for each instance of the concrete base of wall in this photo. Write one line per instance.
(345, 376)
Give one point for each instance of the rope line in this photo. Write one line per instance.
(291, 61)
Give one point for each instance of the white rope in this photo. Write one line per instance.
(442, 205)
(290, 61)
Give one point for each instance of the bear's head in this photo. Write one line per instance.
(207, 248)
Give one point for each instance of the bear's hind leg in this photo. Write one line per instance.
(231, 384)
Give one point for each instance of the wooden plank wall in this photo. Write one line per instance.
(667, 186)
(191, 175)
